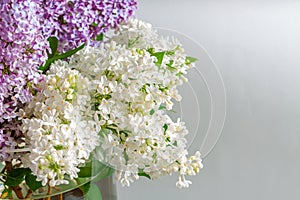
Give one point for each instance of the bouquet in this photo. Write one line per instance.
(85, 89)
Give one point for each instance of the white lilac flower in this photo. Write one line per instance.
(134, 75)
(59, 127)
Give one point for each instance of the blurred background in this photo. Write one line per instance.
(256, 46)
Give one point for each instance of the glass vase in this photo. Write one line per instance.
(106, 186)
(95, 182)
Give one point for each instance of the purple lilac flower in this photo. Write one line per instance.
(10, 137)
(22, 51)
(77, 21)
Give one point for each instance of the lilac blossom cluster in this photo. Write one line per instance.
(25, 26)
(77, 21)
(22, 51)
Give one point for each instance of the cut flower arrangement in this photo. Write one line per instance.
(85, 91)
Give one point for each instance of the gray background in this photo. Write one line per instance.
(256, 46)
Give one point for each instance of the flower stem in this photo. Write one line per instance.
(18, 150)
(18, 190)
(49, 192)
(29, 194)
(8, 166)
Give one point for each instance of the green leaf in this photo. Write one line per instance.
(85, 188)
(152, 111)
(160, 57)
(175, 143)
(13, 181)
(94, 24)
(141, 173)
(85, 171)
(59, 147)
(165, 126)
(151, 51)
(19, 172)
(189, 60)
(162, 107)
(95, 169)
(16, 176)
(71, 52)
(170, 65)
(91, 192)
(53, 42)
(170, 53)
(61, 56)
(32, 183)
(100, 37)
